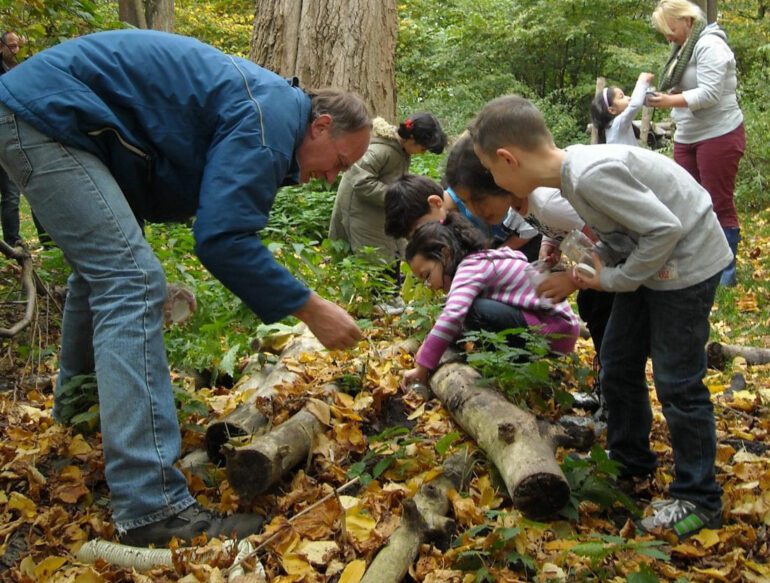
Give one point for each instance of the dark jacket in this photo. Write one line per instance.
(186, 131)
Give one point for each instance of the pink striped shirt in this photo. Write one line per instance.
(497, 274)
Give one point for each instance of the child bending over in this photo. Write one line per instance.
(488, 289)
(664, 251)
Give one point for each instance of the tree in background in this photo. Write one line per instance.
(348, 44)
(154, 14)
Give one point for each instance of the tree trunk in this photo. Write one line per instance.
(600, 84)
(160, 14)
(154, 14)
(511, 438)
(346, 44)
(132, 12)
(424, 519)
(709, 8)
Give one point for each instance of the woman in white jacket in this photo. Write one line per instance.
(699, 83)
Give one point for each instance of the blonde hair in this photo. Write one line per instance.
(674, 10)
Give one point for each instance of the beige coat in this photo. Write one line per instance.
(359, 209)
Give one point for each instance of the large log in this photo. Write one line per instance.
(720, 354)
(254, 468)
(248, 418)
(520, 447)
(423, 520)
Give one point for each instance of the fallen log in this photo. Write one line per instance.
(423, 520)
(718, 355)
(521, 448)
(248, 418)
(254, 468)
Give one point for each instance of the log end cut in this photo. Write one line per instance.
(249, 472)
(541, 495)
(218, 434)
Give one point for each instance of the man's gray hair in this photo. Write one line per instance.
(347, 110)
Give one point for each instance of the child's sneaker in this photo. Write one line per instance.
(683, 517)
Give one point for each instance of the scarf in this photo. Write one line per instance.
(672, 71)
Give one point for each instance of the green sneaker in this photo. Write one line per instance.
(683, 517)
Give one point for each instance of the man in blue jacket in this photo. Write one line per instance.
(108, 130)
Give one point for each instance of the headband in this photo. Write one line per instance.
(604, 96)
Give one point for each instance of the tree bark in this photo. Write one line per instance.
(511, 438)
(346, 44)
(719, 354)
(424, 519)
(254, 468)
(160, 14)
(248, 418)
(132, 12)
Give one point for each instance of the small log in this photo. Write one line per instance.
(254, 468)
(248, 418)
(644, 130)
(511, 438)
(718, 355)
(600, 84)
(424, 520)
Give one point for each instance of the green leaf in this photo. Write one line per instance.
(443, 444)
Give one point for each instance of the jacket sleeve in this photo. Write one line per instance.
(625, 118)
(368, 184)
(240, 180)
(618, 195)
(712, 57)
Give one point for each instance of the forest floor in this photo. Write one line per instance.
(53, 496)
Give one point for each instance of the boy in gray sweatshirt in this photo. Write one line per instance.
(662, 250)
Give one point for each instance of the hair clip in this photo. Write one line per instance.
(409, 124)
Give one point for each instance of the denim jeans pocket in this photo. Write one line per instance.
(18, 165)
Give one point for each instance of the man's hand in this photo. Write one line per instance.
(332, 325)
(594, 282)
(418, 374)
(557, 287)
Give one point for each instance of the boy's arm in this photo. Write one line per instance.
(610, 189)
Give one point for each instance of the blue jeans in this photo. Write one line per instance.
(9, 208)
(672, 328)
(112, 318)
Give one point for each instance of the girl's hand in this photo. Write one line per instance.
(646, 77)
(557, 287)
(549, 253)
(594, 282)
(419, 374)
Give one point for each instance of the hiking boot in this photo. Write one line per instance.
(191, 522)
(683, 517)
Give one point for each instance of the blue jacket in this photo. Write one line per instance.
(186, 131)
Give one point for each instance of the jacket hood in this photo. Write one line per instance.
(381, 128)
(714, 29)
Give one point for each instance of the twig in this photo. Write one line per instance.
(278, 531)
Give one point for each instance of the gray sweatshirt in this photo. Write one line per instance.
(654, 221)
(708, 85)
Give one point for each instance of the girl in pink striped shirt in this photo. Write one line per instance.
(488, 289)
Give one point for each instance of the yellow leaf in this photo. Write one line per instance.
(715, 574)
(417, 412)
(318, 552)
(748, 303)
(295, 564)
(359, 524)
(3, 497)
(47, 567)
(707, 537)
(23, 504)
(320, 411)
(353, 572)
(27, 566)
(78, 446)
(88, 576)
(688, 550)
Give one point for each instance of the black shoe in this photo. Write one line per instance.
(191, 522)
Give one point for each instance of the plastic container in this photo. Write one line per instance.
(579, 249)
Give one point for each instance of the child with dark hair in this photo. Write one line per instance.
(358, 215)
(663, 251)
(613, 112)
(488, 289)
